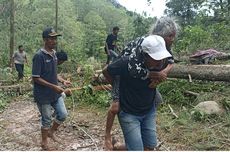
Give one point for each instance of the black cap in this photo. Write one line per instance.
(49, 32)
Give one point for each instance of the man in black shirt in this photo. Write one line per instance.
(166, 28)
(111, 46)
(137, 108)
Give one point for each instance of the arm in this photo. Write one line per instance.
(106, 45)
(36, 72)
(158, 77)
(162, 75)
(26, 59)
(63, 81)
(107, 75)
(114, 69)
(43, 82)
(168, 69)
(107, 49)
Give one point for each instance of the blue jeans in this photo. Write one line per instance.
(158, 98)
(139, 131)
(46, 112)
(113, 55)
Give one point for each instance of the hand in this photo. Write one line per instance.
(67, 83)
(160, 76)
(58, 89)
(68, 92)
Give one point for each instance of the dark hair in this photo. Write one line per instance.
(20, 46)
(62, 56)
(116, 28)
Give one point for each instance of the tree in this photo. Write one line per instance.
(12, 30)
(95, 35)
(186, 10)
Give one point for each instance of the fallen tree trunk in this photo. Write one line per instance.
(201, 72)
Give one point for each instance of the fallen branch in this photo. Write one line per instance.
(191, 93)
(190, 78)
(172, 111)
(88, 136)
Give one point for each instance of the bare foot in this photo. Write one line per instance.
(108, 144)
(118, 146)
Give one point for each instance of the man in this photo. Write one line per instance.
(20, 58)
(137, 108)
(47, 93)
(111, 45)
(164, 27)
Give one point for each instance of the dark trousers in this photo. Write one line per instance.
(20, 70)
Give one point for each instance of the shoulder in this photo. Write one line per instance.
(119, 63)
(109, 35)
(38, 54)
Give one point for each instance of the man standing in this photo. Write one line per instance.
(111, 45)
(20, 58)
(137, 107)
(47, 93)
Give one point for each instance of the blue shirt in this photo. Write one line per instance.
(135, 96)
(45, 67)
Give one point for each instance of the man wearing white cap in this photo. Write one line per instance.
(137, 109)
(140, 54)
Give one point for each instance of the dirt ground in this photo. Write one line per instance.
(82, 131)
(20, 128)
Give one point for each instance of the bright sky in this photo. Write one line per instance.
(156, 8)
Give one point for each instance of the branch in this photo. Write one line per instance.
(89, 137)
(173, 113)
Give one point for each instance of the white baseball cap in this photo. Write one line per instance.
(155, 47)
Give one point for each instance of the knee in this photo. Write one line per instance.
(46, 122)
(62, 117)
(114, 108)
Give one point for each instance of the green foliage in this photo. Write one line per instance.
(142, 25)
(95, 34)
(185, 10)
(193, 38)
(3, 101)
(6, 74)
(174, 91)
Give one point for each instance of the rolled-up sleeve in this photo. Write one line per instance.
(37, 64)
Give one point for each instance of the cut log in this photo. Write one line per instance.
(201, 72)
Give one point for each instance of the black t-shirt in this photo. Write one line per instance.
(111, 41)
(135, 96)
